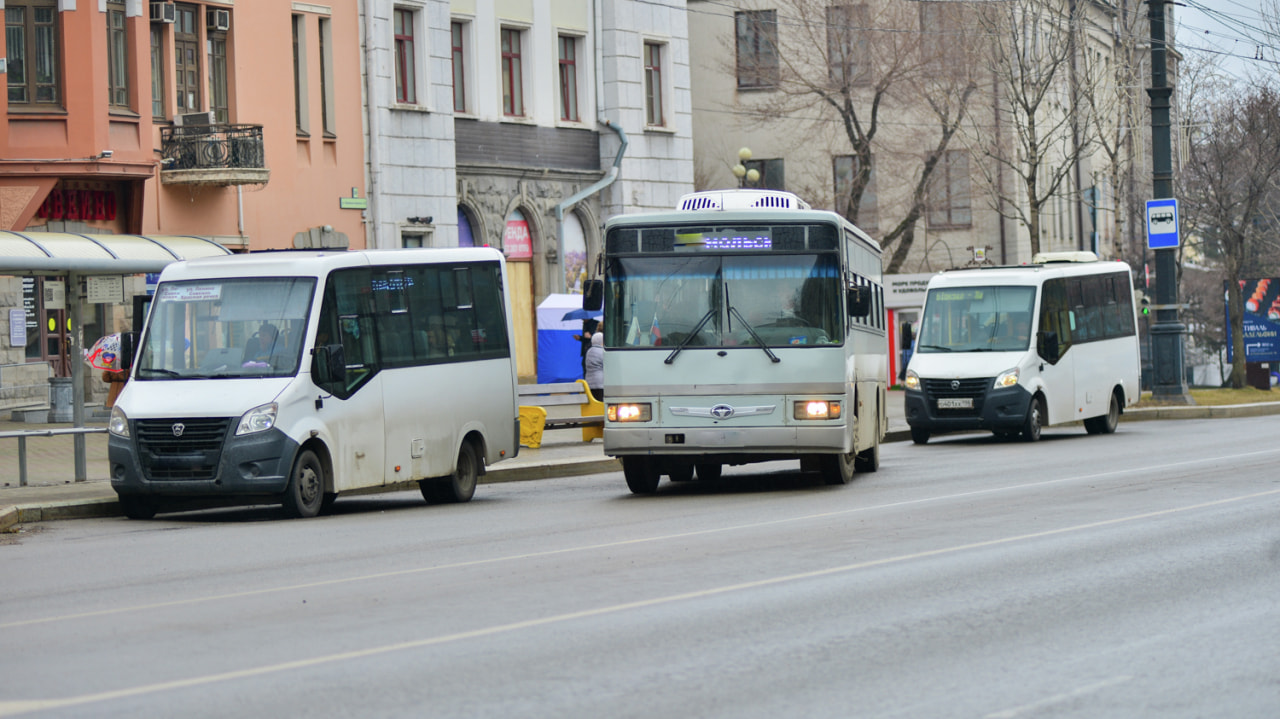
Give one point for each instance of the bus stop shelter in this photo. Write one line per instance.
(75, 257)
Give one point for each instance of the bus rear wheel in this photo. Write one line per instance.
(709, 472)
(458, 487)
(1106, 424)
(641, 474)
(305, 494)
(680, 472)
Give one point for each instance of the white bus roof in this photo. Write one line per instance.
(316, 263)
(1023, 274)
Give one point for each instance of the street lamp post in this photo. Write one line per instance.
(740, 171)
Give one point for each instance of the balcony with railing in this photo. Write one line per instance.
(212, 155)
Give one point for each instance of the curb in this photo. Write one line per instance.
(70, 509)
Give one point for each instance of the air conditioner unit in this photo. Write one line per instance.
(163, 12)
(193, 118)
(219, 19)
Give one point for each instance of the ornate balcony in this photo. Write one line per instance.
(212, 155)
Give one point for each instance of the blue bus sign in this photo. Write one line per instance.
(1162, 223)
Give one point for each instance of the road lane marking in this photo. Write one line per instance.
(1059, 698)
(609, 545)
(17, 707)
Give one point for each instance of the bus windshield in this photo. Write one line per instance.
(977, 319)
(708, 300)
(222, 328)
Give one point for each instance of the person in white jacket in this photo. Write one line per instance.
(593, 365)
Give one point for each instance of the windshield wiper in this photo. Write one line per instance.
(160, 371)
(939, 348)
(752, 331)
(696, 329)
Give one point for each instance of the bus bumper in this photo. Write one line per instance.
(257, 464)
(788, 441)
(1002, 409)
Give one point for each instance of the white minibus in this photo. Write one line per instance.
(1014, 349)
(294, 377)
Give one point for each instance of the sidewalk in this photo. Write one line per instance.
(52, 494)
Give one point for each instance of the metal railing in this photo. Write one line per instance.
(210, 147)
(22, 435)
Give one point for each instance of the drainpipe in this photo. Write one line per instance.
(604, 182)
(373, 192)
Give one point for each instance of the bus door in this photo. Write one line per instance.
(1057, 321)
(352, 405)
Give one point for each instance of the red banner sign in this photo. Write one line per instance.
(517, 243)
(79, 205)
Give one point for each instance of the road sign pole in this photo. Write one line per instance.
(1169, 383)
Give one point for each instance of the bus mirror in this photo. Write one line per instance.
(592, 295)
(859, 301)
(329, 365)
(1047, 346)
(128, 348)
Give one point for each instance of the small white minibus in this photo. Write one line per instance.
(297, 376)
(1014, 349)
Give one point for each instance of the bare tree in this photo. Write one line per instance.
(1044, 66)
(850, 65)
(1233, 171)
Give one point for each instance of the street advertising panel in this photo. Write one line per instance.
(1261, 320)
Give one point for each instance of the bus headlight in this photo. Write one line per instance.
(258, 419)
(1007, 378)
(636, 412)
(912, 381)
(119, 423)
(817, 409)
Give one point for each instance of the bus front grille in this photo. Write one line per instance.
(181, 449)
(953, 389)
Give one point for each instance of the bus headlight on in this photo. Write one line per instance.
(258, 419)
(119, 423)
(912, 381)
(1007, 378)
(817, 409)
(638, 412)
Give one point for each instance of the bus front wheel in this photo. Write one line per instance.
(305, 493)
(1035, 420)
(839, 468)
(457, 487)
(136, 507)
(641, 474)
(919, 436)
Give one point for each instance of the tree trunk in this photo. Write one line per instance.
(1235, 316)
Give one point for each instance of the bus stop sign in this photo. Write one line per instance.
(1162, 223)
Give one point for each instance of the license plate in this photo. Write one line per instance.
(955, 403)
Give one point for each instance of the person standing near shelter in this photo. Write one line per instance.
(590, 327)
(593, 366)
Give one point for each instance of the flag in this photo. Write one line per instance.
(655, 333)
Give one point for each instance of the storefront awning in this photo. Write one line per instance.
(57, 253)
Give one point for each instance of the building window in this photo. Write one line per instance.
(845, 168)
(512, 74)
(568, 78)
(653, 85)
(216, 43)
(327, 111)
(186, 59)
(300, 99)
(31, 41)
(757, 32)
(117, 56)
(406, 78)
(459, 68)
(949, 191)
(773, 174)
(846, 43)
(157, 70)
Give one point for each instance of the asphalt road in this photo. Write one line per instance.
(1131, 575)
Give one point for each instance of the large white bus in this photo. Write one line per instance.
(1013, 349)
(742, 327)
(295, 377)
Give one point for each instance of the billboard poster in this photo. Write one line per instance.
(1261, 320)
(517, 243)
